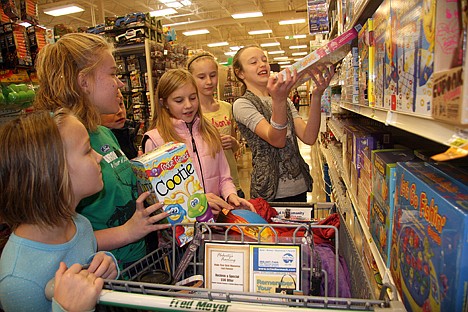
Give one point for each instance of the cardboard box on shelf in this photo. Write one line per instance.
(366, 63)
(450, 88)
(430, 234)
(168, 173)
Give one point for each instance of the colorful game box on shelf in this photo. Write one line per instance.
(17, 91)
(430, 235)
(331, 53)
(168, 173)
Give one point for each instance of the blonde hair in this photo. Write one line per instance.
(34, 179)
(168, 83)
(199, 56)
(58, 66)
(237, 66)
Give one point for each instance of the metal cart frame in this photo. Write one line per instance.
(156, 297)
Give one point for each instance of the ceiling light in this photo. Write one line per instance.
(196, 32)
(25, 24)
(247, 15)
(260, 32)
(163, 12)
(223, 63)
(276, 52)
(299, 53)
(235, 48)
(296, 37)
(175, 4)
(294, 21)
(63, 10)
(230, 53)
(281, 58)
(217, 44)
(284, 66)
(186, 2)
(166, 1)
(304, 46)
(284, 62)
(297, 59)
(270, 44)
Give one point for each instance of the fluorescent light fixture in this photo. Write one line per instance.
(284, 66)
(270, 44)
(25, 24)
(294, 21)
(281, 58)
(303, 46)
(63, 10)
(196, 32)
(260, 32)
(284, 62)
(166, 1)
(175, 5)
(230, 53)
(276, 52)
(223, 63)
(299, 53)
(296, 37)
(247, 15)
(163, 12)
(235, 48)
(297, 59)
(186, 2)
(217, 44)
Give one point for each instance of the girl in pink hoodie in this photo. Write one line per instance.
(178, 118)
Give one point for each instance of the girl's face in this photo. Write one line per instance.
(255, 67)
(104, 86)
(82, 160)
(206, 75)
(183, 103)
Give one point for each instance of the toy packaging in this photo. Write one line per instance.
(383, 191)
(450, 98)
(168, 173)
(366, 64)
(331, 53)
(413, 30)
(430, 238)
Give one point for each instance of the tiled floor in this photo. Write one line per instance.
(310, 154)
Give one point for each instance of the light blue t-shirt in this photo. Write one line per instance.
(26, 266)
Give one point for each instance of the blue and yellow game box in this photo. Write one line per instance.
(429, 256)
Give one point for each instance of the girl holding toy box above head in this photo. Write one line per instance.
(178, 118)
(270, 123)
(47, 166)
(204, 69)
(79, 72)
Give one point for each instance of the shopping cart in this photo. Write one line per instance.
(129, 294)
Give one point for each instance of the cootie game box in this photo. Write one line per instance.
(430, 239)
(169, 175)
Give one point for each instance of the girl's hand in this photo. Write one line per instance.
(143, 221)
(240, 203)
(103, 266)
(229, 142)
(217, 203)
(321, 75)
(279, 87)
(76, 289)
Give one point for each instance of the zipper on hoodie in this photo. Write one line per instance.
(195, 150)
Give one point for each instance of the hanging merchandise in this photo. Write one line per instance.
(317, 13)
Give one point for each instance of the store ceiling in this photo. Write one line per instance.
(214, 15)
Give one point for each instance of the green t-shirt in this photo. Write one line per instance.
(115, 204)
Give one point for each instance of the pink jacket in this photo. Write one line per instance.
(216, 174)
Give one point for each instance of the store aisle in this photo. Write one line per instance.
(310, 154)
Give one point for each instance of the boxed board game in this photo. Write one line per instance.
(383, 191)
(430, 239)
(450, 90)
(168, 173)
(413, 30)
(384, 71)
(331, 53)
(366, 64)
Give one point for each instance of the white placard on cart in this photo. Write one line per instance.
(227, 266)
(274, 267)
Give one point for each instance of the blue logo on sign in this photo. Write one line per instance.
(288, 258)
(105, 148)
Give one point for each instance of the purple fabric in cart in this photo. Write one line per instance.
(327, 255)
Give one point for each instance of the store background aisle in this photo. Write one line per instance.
(310, 154)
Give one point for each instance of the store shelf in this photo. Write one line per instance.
(345, 200)
(365, 10)
(337, 129)
(425, 127)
